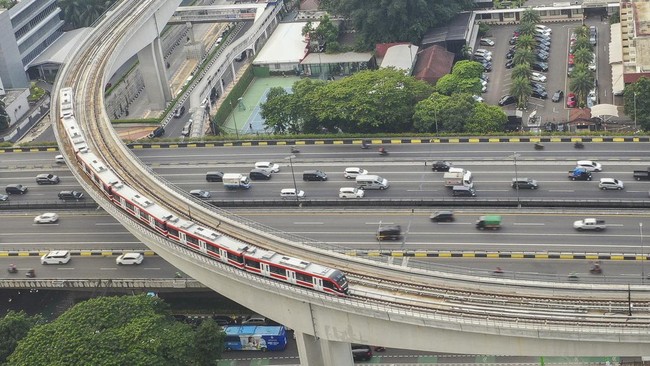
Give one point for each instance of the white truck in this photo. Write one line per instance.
(236, 181)
(589, 224)
(458, 177)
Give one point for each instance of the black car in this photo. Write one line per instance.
(507, 99)
(442, 216)
(510, 54)
(557, 96)
(539, 94)
(513, 40)
(543, 47)
(579, 174)
(361, 352)
(487, 65)
(158, 132)
(389, 232)
(539, 66)
(441, 166)
(510, 64)
(215, 176)
(537, 86)
(259, 174)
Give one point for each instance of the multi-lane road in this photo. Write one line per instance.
(492, 166)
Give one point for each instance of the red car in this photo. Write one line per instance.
(571, 100)
(571, 59)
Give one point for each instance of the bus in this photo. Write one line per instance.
(255, 338)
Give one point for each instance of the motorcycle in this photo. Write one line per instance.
(364, 145)
(294, 150)
(539, 146)
(573, 276)
(383, 151)
(579, 145)
(30, 273)
(596, 270)
(380, 349)
(12, 269)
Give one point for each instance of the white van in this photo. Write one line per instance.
(351, 192)
(56, 257)
(366, 181)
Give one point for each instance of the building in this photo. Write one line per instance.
(629, 48)
(285, 49)
(433, 63)
(398, 56)
(26, 31)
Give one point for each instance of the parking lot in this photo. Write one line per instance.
(557, 79)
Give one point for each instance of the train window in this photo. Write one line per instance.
(145, 216)
(328, 284)
(235, 257)
(129, 206)
(252, 263)
(303, 277)
(191, 239)
(160, 225)
(173, 232)
(276, 270)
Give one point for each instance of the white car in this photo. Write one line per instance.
(56, 257)
(610, 183)
(590, 166)
(291, 193)
(59, 159)
(129, 258)
(538, 77)
(46, 218)
(352, 172)
(200, 193)
(478, 98)
(267, 165)
(351, 192)
(486, 42)
(4, 197)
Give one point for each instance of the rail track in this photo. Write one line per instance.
(538, 304)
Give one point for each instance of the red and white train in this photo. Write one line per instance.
(190, 234)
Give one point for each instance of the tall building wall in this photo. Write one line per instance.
(12, 70)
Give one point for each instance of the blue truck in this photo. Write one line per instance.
(255, 338)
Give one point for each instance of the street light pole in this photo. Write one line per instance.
(514, 157)
(642, 253)
(635, 129)
(293, 176)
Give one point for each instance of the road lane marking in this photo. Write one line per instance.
(528, 223)
(108, 224)
(561, 190)
(308, 223)
(108, 269)
(380, 223)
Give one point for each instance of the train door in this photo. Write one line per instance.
(291, 277)
(318, 283)
(223, 255)
(202, 246)
(264, 267)
(182, 237)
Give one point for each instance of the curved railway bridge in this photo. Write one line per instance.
(390, 305)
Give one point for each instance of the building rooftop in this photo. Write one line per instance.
(400, 57)
(57, 52)
(330, 58)
(286, 45)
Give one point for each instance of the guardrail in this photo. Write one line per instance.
(134, 283)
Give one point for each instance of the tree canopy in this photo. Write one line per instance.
(124, 330)
(14, 327)
(83, 13)
(390, 21)
(639, 104)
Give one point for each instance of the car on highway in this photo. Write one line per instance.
(200, 193)
(130, 259)
(579, 174)
(291, 193)
(267, 165)
(15, 189)
(352, 172)
(557, 96)
(71, 195)
(538, 77)
(507, 99)
(486, 42)
(589, 165)
(441, 166)
(571, 100)
(56, 257)
(610, 183)
(46, 218)
(442, 216)
(524, 183)
(215, 176)
(4, 197)
(351, 192)
(178, 112)
(59, 159)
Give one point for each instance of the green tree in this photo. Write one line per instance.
(521, 89)
(582, 32)
(4, 117)
(276, 111)
(390, 21)
(83, 13)
(453, 84)
(210, 343)
(582, 81)
(583, 43)
(14, 327)
(468, 69)
(530, 16)
(523, 56)
(7, 4)
(486, 119)
(582, 56)
(639, 104)
(615, 18)
(124, 330)
(465, 52)
(526, 41)
(527, 29)
(449, 114)
(521, 71)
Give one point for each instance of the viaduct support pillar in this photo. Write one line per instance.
(153, 69)
(314, 351)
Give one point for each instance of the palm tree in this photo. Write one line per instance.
(465, 52)
(521, 89)
(583, 43)
(527, 28)
(582, 31)
(582, 81)
(582, 56)
(526, 41)
(521, 71)
(4, 117)
(530, 16)
(524, 56)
